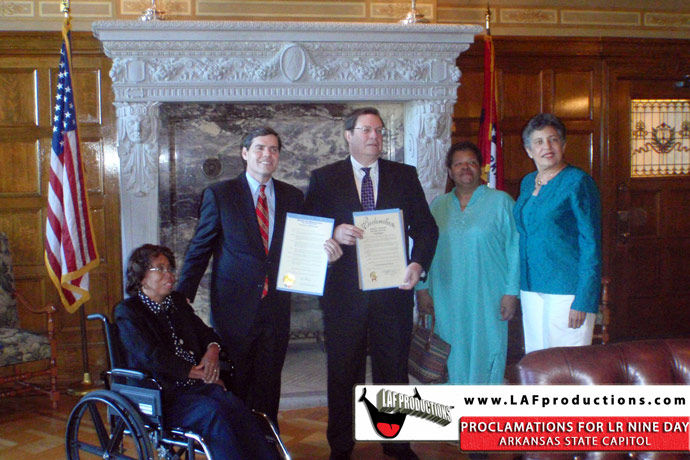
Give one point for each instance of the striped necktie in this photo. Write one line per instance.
(368, 203)
(262, 217)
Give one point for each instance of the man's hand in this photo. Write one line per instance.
(347, 234)
(412, 275)
(425, 304)
(576, 318)
(333, 250)
(208, 369)
(508, 306)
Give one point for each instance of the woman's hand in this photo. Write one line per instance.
(208, 369)
(576, 318)
(509, 304)
(425, 303)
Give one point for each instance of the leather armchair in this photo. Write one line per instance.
(645, 362)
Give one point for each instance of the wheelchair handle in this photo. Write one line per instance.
(99, 316)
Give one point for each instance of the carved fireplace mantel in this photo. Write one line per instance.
(213, 61)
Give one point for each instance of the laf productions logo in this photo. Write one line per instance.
(392, 409)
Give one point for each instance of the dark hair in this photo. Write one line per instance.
(539, 122)
(258, 132)
(351, 119)
(459, 146)
(139, 263)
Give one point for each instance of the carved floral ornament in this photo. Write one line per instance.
(223, 60)
(292, 63)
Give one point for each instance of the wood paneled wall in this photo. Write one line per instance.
(28, 68)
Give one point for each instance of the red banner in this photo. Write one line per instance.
(574, 434)
(490, 144)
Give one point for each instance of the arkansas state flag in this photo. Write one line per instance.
(489, 134)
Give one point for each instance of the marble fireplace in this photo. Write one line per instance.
(186, 92)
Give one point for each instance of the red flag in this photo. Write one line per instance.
(70, 249)
(489, 134)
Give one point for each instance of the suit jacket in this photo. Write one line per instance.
(147, 343)
(333, 193)
(228, 230)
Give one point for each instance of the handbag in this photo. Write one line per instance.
(428, 361)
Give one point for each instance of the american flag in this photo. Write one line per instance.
(70, 249)
(489, 134)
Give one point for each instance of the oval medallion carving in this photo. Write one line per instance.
(293, 61)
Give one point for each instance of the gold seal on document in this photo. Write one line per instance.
(288, 280)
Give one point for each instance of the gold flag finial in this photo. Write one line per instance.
(64, 7)
(488, 19)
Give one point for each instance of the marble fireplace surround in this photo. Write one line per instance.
(268, 62)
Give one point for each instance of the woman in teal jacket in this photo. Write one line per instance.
(558, 216)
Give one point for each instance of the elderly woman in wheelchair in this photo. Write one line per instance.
(161, 335)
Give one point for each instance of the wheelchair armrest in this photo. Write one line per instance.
(129, 373)
(133, 378)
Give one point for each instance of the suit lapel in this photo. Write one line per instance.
(248, 212)
(279, 219)
(385, 185)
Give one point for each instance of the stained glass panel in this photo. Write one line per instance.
(660, 137)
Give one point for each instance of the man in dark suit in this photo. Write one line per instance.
(252, 318)
(379, 320)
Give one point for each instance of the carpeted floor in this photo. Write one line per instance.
(304, 376)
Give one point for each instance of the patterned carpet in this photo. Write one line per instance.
(304, 376)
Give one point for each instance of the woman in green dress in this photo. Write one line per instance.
(473, 282)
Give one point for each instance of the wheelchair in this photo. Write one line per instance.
(125, 420)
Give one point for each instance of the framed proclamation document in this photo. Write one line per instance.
(381, 257)
(303, 260)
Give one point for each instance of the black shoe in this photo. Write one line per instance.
(404, 453)
(340, 455)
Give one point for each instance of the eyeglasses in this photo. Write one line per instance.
(368, 129)
(163, 270)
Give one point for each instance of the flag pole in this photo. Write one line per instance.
(86, 385)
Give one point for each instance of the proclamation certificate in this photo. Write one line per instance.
(381, 258)
(303, 260)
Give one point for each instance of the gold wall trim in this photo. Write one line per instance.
(667, 20)
(78, 9)
(528, 16)
(284, 9)
(172, 7)
(17, 9)
(591, 17)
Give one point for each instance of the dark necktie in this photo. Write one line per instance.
(368, 203)
(262, 217)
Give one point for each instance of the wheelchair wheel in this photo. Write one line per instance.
(104, 424)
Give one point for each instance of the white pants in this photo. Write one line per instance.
(545, 322)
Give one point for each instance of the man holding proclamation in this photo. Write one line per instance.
(380, 320)
(241, 223)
